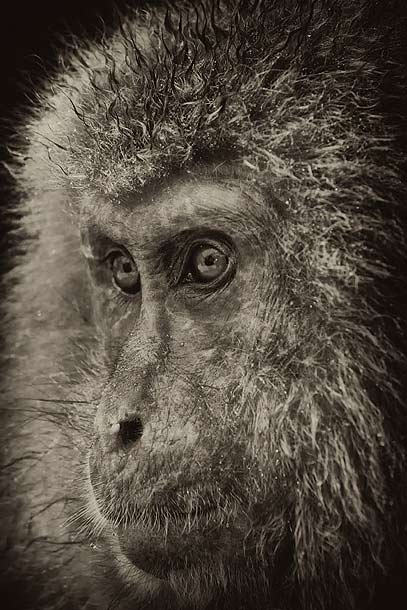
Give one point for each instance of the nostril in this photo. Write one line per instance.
(130, 430)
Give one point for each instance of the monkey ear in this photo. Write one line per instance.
(50, 276)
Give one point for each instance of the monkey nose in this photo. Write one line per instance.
(128, 431)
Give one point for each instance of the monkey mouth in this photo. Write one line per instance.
(164, 510)
(157, 518)
(155, 511)
(177, 514)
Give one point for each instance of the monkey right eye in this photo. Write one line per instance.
(125, 273)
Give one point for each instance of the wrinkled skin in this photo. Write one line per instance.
(203, 403)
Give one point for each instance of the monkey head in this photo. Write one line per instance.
(216, 196)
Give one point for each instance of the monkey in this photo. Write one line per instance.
(203, 394)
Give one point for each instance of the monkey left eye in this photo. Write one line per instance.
(125, 273)
(206, 263)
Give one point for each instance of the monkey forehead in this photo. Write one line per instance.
(183, 204)
(226, 80)
(173, 87)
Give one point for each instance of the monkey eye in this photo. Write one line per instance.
(125, 272)
(206, 263)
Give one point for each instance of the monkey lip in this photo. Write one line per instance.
(163, 510)
(182, 508)
(178, 515)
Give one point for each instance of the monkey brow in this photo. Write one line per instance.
(219, 170)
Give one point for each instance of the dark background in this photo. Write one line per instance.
(31, 34)
(32, 30)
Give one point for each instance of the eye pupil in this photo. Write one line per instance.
(207, 263)
(210, 260)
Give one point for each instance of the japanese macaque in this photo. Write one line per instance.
(203, 396)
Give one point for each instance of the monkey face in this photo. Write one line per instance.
(170, 455)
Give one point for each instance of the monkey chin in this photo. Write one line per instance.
(185, 556)
(160, 554)
(160, 542)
